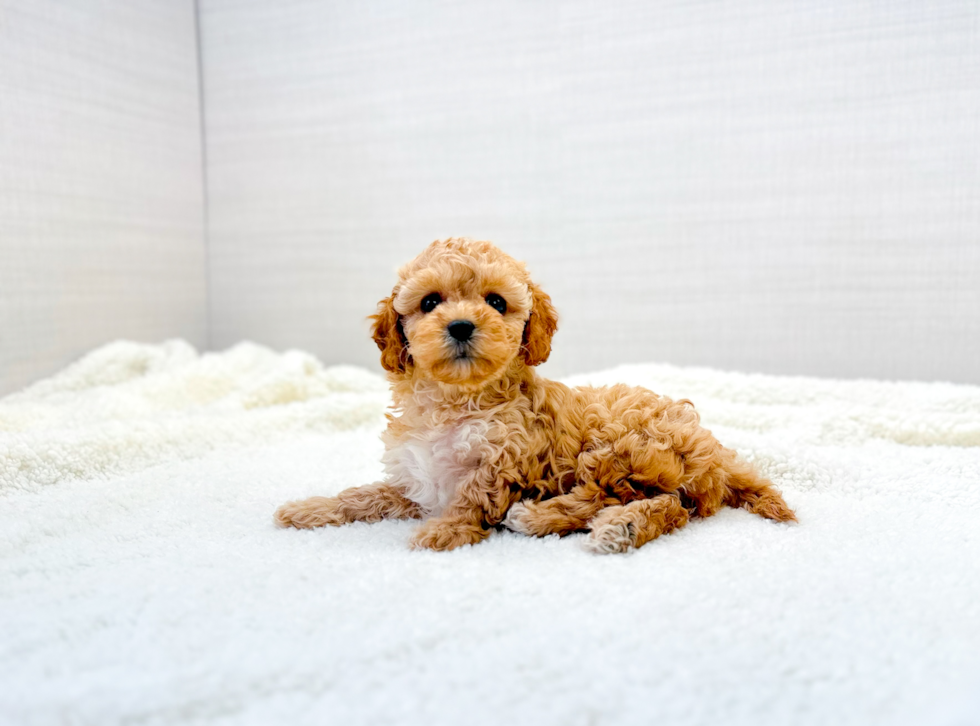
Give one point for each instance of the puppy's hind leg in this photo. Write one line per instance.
(370, 503)
(562, 514)
(620, 528)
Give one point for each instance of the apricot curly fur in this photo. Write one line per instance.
(477, 439)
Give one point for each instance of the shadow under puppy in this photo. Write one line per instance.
(477, 438)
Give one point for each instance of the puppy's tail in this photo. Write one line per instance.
(749, 490)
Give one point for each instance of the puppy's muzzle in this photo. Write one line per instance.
(461, 330)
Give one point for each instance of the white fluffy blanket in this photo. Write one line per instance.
(142, 579)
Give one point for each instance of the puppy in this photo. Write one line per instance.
(478, 439)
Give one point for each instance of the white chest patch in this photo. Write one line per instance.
(431, 463)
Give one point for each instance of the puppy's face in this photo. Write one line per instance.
(461, 313)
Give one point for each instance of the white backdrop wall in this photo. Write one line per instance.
(788, 188)
(101, 192)
(785, 187)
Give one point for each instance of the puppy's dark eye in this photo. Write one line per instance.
(430, 301)
(497, 303)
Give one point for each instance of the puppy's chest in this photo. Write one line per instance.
(431, 461)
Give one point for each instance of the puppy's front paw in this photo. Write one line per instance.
(610, 539)
(518, 518)
(437, 534)
(308, 513)
(611, 533)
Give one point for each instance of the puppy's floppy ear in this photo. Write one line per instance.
(388, 334)
(539, 328)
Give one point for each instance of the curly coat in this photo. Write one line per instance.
(478, 439)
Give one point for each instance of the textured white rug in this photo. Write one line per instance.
(142, 580)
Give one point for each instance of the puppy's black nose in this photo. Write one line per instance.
(461, 330)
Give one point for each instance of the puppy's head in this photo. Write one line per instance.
(461, 313)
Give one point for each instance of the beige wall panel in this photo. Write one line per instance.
(101, 192)
(787, 188)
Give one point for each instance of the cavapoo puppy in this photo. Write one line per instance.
(478, 439)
